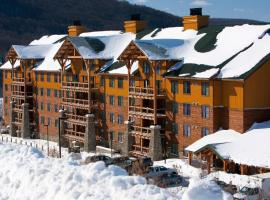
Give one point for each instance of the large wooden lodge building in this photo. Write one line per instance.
(147, 91)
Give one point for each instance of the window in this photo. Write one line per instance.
(120, 119)
(187, 87)
(102, 82)
(174, 149)
(56, 78)
(120, 137)
(174, 107)
(56, 123)
(93, 67)
(103, 116)
(205, 111)
(186, 107)
(41, 106)
(102, 98)
(55, 108)
(111, 136)
(132, 101)
(48, 77)
(158, 69)
(120, 83)
(84, 67)
(111, 117)
(41, 76)
(174, 87)
(49, 121)
(36, 76)
(6, 87)
(187, 130)
(146, 67)
(48, 92)
(55, 93)
(205, 131)
(205, 88)
(111, 100)
(132, 82)
(48, 106)
(174, 128)
(120, 101)
(75, 78)
(111, 83)
(42, 120)
(41, 91)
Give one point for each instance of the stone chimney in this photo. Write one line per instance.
(76, 29)
(196, 20)
(135, 24)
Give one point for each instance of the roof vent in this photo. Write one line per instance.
(135, 17)
(77, 23)
(196, 11)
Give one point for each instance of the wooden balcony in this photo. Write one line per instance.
(143, 132)
(73, 135)
(145, 93)
(76, 119)
(22, 94)
(79, 103)
(21, 81)
(140, 150)
(145, 113)
(78, 86)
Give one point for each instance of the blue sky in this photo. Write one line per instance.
(249, 9)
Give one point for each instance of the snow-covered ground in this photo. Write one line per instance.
(26, 174)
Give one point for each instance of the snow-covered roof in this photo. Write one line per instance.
(105, 47)
(32, 51)
(252, 148)
(220, 137)
(48, 39)
(235, 51)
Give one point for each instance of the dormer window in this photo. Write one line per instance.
(146, 67)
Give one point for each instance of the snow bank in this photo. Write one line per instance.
(205, 190)
(26, 175)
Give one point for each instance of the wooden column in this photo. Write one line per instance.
(225, 165)
(88, 64)
(208, 164)
(190, 158)
(153, 65)
(244, 169)
(128, 64)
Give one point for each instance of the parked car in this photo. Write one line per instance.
(156, 171)
(232, 189)
(106, 159)
(166, 180)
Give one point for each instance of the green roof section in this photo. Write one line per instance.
(207, 42)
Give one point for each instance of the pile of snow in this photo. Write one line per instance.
(26, 174)
(235, 179)
(205, 190)
(223, 136)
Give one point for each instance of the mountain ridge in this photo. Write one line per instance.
(22, 21)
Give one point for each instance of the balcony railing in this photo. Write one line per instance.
(71, 133)
(80, 102)
(20, 80)
(142, 131)
(140, 150)
(141, 91)
(22, 93)
(75, 85)
(77, 118)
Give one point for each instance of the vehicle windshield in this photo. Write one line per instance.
(249, 191)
